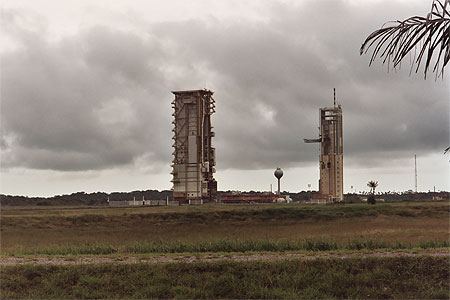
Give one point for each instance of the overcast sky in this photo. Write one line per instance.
(85, 94)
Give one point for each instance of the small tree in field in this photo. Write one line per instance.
(373, 185)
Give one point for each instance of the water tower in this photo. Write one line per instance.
(278, 174)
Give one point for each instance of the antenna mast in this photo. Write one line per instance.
(415, 174)
(334, 91)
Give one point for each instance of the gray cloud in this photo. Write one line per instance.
(101, 98)
(85, 102)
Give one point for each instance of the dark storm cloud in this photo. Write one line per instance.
(82, 103)
(101, 98)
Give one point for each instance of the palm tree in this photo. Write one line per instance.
(373, 185)
(430, 35)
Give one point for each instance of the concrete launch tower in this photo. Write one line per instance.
(331, 153)
(194, 156)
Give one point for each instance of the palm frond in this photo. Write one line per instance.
(430, 35)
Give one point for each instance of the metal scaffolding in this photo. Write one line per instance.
(331, 153)
(194, 156)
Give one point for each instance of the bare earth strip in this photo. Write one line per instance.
(205, 258)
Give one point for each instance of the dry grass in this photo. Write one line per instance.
(43, 227)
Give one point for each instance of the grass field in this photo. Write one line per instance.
(27, 228)
(73, 232)
(226, 246)
(367, 278)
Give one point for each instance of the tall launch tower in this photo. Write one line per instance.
(194, 156)
(331, 153)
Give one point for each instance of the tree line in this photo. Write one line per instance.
(101, 198)
(82, 198)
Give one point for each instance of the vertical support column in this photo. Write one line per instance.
(193, 164)
(331, 159)
(331, 152)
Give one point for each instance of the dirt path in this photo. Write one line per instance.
(203, 258)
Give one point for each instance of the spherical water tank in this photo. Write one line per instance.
(278, 173)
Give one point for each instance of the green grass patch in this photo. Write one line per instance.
(376, 278)
(228, 246)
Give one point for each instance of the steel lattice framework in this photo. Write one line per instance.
(331, 182)
(194, 156)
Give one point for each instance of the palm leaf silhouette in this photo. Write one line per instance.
(428, 36)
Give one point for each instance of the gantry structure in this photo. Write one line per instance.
(194, 159)
(331, 153)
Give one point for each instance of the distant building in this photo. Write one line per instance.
(331, 154)
(194, 156)
(440, 196)
(253, 198)
(143, 202)
(364, 199)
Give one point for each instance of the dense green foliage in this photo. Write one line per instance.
(225, 245)
(376, 278)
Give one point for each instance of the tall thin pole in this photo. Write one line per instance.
(334, 92)
(415, 174)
